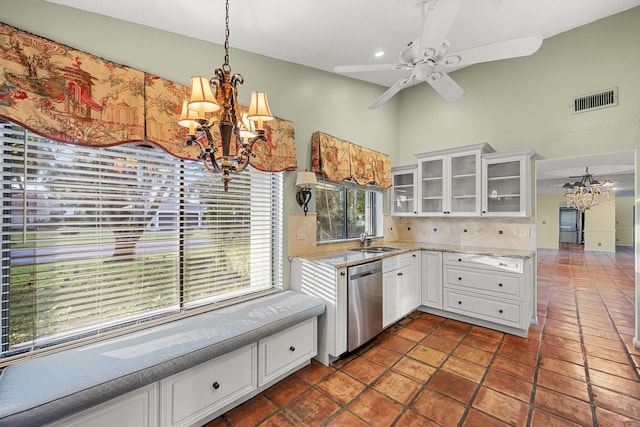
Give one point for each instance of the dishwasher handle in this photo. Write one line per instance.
(365, 273)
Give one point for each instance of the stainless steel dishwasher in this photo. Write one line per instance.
(364, 296)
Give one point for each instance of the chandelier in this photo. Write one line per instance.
(214, 101)
(586, 193)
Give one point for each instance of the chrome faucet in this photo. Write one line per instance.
(365, 237)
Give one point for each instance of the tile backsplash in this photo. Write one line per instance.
(515, 233)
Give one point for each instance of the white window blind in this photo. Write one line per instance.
(97, 239)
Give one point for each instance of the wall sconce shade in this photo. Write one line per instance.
(305, 180)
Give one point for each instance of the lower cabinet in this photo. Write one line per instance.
(491, 289)
(432, 279)
(138, 408)
(198, 394)
(401, 292)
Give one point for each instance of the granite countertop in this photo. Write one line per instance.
(347, 258)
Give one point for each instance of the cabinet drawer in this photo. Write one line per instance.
(494, 310)
(397, 261)
(497, 263)
(199, 391)
(285, 350)
(506, 286)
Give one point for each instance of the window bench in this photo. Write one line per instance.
(41, 390)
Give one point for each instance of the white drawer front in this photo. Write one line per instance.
(502, 285)
(197, 392)
(396, 261)
(283, 351)
(503, 312)
(504, 264)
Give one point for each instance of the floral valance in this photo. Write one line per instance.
(340, 160)
(72, 96)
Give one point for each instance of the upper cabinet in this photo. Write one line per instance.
(449, 181)
(403, 191)
(506, 183)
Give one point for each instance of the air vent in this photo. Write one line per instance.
(594, 101)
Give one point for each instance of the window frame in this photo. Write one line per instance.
(373, 210)
(270, 221)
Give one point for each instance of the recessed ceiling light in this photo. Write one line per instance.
(379, 53)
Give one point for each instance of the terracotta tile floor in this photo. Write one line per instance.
(577, 367)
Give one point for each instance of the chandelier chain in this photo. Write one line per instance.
(226, 37)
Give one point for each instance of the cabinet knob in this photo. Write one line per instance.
(484, 211)
(459, 259)
(342, 273)
(399, 274)
(292, 348)
(216, 385)
(500, 311)
(460, 302)
(459, 278)
(499, 285)
(414, 255)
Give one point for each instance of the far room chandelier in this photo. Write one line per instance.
(586, 193)
(238, 132)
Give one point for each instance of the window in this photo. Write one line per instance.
(345, 211)
(98, 239)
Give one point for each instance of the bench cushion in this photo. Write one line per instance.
(50, 387)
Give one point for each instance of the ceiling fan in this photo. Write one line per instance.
(429, 60)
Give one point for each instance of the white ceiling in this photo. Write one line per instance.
(327, 33)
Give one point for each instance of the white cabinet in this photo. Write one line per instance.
(193, 394)
(328, 283)
(284, 351)
(401, 292)
(506, 184)
(432, 279)
(138, 408)
(403, 191)
(490, 291)
(449, 181)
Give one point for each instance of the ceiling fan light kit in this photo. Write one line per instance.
(428, 57)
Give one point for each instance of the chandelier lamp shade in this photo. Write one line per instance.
(587, 192)
(214, 102)
(305, 180)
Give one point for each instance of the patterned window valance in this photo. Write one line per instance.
(72, 96)
(341, 160)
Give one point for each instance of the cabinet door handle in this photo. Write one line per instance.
(460, 302)
(459, 259)
(500, 311)
(459, 278)
(215, 385)
(499, 285)
(414, 255)
(399, 274)
(292, 348)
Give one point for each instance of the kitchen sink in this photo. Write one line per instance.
(377, 249)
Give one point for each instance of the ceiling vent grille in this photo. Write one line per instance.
(594, 101)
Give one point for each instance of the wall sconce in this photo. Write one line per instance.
(305, 180)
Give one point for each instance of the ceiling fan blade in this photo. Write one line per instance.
(438, 17)
(397, 87)
(372, 67)
(445, 86)
(521, 46)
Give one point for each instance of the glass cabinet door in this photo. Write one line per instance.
(432, 185)
(505, 184)
(403, 192)
(464, 183)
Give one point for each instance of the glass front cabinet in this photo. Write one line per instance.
(449, 181)
(506, 183)
(403, 191)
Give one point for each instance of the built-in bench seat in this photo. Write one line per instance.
(44, 389)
